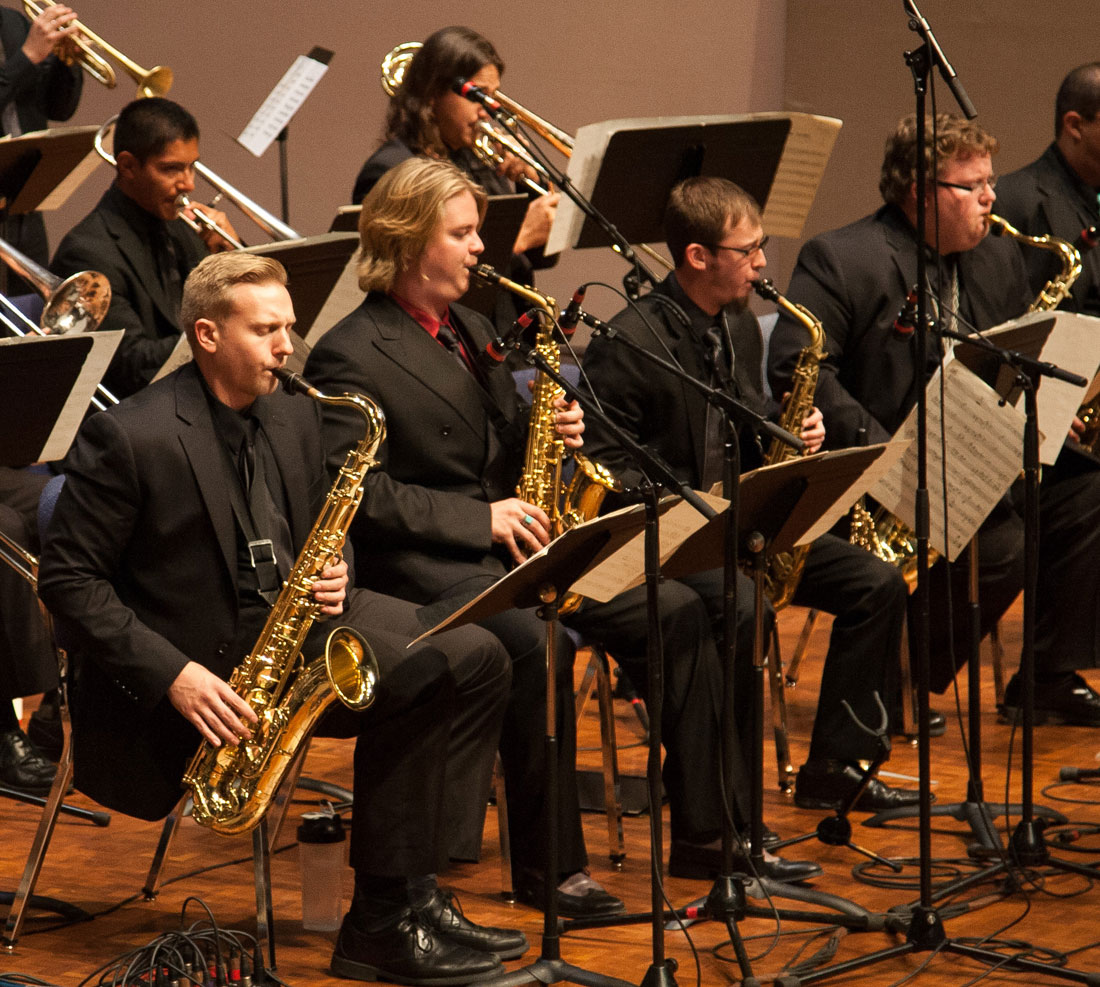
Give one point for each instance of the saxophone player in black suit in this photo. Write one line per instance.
(152, 580)
(856, 279)
(443, 522)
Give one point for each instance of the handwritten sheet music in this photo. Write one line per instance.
(984, 454)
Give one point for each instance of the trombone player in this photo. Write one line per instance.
(36, 86)
(138, 237)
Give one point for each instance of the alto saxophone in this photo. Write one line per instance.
(1050, 297)
(232, 786)
(785, 568)
(541, 481)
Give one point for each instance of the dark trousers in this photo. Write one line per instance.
(425, 748)
(868, 598)
(691, 720)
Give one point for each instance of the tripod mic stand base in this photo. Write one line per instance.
(661, 975)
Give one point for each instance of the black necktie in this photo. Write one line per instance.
(266, 517)
(720, 365)
(449, 338)
(168, 267)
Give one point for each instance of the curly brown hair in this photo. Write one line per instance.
(954, 137)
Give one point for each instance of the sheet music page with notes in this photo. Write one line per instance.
(984, 454)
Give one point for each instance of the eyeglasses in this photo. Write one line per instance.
(744, 251)
(991, 181)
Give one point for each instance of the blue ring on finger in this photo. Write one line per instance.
(527, 519)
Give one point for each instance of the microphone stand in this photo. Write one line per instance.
(925, 930)
(726, 900)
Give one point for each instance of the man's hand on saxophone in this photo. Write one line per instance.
(210, 705)
(330, 588)
(813, 431)
(523, 528)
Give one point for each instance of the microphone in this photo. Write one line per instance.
(906, 321)
(475, 94)
(572, 314)
(497, 348)
(1078, 774)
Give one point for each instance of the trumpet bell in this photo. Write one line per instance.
(77, 304)
(156, 82)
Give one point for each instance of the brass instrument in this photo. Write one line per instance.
(495, 139)
(151, 82)
(1057, 288)
(74, 304)
(271, 225)
(785, 568)
(233, 786)
(1050, 297)
(541, 481)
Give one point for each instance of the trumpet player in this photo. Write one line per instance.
(856, 280)
(138, 238)
(427, 118)
(36, 86)
(147, 566)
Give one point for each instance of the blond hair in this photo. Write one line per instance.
(400, 214)
(207, 290)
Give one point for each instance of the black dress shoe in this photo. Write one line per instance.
(1071, 702)
(578, 896)
(444, 914)
(22, 766)
(703, 862)
(937, 724)
(44, 728)
(827, 784)
(405, 951)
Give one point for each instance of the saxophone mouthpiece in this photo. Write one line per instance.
(486, 273)
(997, 226)
(765, 289)
(293, 383)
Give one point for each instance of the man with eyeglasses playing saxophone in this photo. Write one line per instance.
(856, 280)
(138, 239)
(715, 234)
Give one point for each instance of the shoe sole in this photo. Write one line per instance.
(699, 872)
(341, 966)
(536, 902)
(824, 804)
(1043, 718)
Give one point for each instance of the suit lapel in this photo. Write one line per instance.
(139, 255)
(408, 345)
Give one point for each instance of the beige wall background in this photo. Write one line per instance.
(592, 61)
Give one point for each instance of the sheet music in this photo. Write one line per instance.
(805, 154)
(181, 354)
(283, 101)
(1073, 344)
(984, 455)
(807, 151)
(887, 460)
(625, 568)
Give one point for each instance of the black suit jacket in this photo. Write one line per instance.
(1045, 197)
(425, 518)
(855, 280)
(106, 241)
(656, 407)
(139, 569)
(43, 92)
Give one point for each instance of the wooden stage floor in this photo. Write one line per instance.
(1050, 915)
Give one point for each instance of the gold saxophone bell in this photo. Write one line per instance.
(151, 82)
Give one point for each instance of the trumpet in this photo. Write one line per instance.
(74, 304)
(151, 82)
(271, 225)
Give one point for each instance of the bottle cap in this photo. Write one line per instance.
(321, 827)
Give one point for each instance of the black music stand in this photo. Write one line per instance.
(40, 170)
(57, 376)
(542, 581)
(621, 172)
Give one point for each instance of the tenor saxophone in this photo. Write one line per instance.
(541, 481)
(232, 786)
(785, 568)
